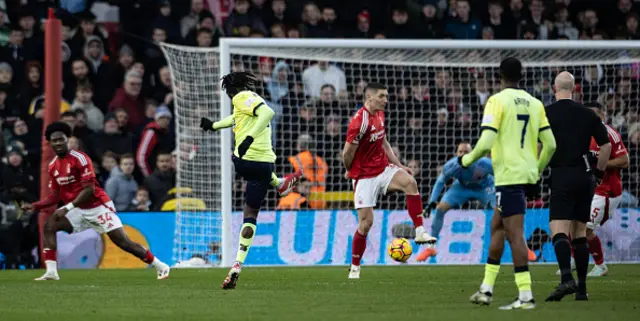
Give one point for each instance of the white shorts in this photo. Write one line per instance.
(367, 189)
(102, 219)
(602, 207)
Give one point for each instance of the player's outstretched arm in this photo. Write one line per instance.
(482, 148)
(52, 199)
(207, 124)
(548, 148)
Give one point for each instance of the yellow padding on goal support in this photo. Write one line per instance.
(180, 190)
(185, 203)
(340, 196)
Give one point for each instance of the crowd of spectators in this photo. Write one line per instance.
(117, 89)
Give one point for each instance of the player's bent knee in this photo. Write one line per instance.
(247, 232)
(442, 206)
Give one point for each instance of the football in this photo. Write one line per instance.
(400, 250)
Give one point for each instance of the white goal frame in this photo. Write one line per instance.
(227, 46)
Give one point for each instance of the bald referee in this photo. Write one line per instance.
(573, 182)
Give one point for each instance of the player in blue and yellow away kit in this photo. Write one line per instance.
(253, 157)
(512, 124)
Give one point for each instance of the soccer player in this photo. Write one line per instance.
(513, 122)
(253, 157)
(608, 193)
(73, 181)
(475, 182)
(375, 170)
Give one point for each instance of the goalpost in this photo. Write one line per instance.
(438, 89)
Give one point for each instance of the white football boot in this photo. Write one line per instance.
(163, 271)
(599, 270)
(48, 276)
(422, 237)
(483, 298)
(354, 272)
(518, 304)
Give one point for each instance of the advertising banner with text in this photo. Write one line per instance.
(324, 238)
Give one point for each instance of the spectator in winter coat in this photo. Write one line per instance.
(111, 138)
(128, 97)
(161, 181)
(166, 22)
(155, 139)
(95, 117)
(121, 186)
(240, 17)
(164, 91)
(465, 27)
(94, 52)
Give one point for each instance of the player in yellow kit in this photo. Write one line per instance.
(512, 124)
(253, 157)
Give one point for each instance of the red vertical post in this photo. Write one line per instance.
(52, 99)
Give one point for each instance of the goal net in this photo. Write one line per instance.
(437, 93)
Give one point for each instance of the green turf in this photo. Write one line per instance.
(322, 293)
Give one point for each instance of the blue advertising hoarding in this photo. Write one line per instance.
(324, 238)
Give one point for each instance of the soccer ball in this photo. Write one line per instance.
(400, 250)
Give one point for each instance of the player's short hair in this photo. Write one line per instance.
(238, 81)
(464, 142)
(511, 69)
(375, 86)
(57, 127)
(593, 104)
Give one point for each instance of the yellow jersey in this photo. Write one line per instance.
(245, 104)
(517, 118)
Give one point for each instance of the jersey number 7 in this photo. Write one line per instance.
(525, 119)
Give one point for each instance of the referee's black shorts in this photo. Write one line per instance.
(572, 190)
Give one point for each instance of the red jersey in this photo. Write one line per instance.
(69, 175)
(611, 182)
(367, 131)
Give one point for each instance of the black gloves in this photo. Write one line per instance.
(427, 211)
(206, 124)
(598, 174)
(244, 146)
(460, 162)
(592, 158)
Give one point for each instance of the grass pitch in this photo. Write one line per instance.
(432, 293)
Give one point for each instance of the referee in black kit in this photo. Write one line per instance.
(573, 182)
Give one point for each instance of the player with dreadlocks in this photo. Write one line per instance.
(253, 157)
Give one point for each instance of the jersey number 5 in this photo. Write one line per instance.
(525, 119)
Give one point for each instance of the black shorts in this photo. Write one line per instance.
(511, 200)
(258, 177)
(572, 191)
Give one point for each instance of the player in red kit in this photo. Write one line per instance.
(375, 170)
(608, 193)
(73, 182)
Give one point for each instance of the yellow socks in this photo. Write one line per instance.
(523, 281)
(245, 243)
(491, 270)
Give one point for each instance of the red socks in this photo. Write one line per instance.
(49, 255)
(414, 207)
(595, 247)
(357, 248)
(148, 257)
